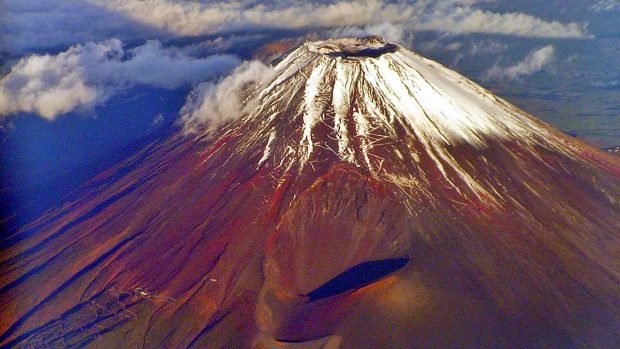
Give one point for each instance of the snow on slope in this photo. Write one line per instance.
(378, 99)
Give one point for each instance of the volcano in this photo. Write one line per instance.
(367, 198)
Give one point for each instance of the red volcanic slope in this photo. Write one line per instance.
(370, 198)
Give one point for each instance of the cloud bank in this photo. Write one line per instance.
(459, 17)
(534, 62)
(213, 103)
(35, 25)
(47, 24)
(196, 18)
(88, 75)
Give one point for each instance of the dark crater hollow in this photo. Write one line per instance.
(357, 277)
(372, 52)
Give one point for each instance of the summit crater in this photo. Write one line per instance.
(353, 48)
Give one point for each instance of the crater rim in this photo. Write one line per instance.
(353, 48)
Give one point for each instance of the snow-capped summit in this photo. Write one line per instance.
(388, 110)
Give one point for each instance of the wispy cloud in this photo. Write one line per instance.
(606, 5)
(534, 62)
(35, 25)
(88, 75)
(47, 24)
(484, 47)
(462, 17)
(458, 16)
(391, 32)
(216, 102)
(195, 18)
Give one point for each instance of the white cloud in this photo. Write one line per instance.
(457, 16)
(606, 5)
(57, 24)
(460, 17)
(49, 24)
(486, 47)
(534, 62)
(87, 75)
(216, 102)
(454, 46)
(158, 120)
(195, 18)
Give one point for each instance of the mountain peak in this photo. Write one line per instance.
(370, 198)
(385, 109)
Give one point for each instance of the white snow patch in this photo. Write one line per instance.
(346, 76)
(314, 107)
(268, 148)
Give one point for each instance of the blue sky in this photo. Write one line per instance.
(85, 80)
